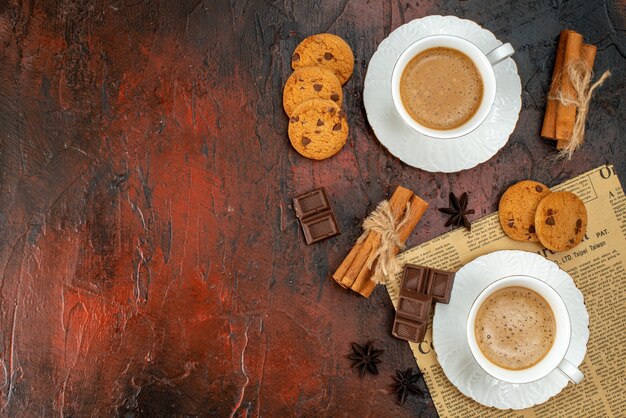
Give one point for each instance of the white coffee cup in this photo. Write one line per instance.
(553, 360)
(484, 63)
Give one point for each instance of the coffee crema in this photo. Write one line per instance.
(515, 328)
(441, 88)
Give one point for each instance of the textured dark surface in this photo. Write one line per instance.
(151, 264)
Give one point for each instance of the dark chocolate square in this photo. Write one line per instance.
(439, 285)
(308, 204)
(316, 216)
(408, 330)
(318, 228)
(414, 305)
(414, 278)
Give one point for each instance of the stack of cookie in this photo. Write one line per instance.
(312, 96)
(530, 212)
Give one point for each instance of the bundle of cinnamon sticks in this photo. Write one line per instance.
(559, 119)
(354, 273)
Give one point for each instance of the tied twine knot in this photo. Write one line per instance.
(383, 222)
(580, 78)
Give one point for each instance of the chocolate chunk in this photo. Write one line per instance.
(420, 286)
(311, 203)
(531, 229)
(414, 305)
(433, 282)
(550, 213)
(579, 223)
(295, 57)
(412, 316)
(317, 87)
(337, 126)
(328, 56)
(334, 97)
(571, 241)
(439, 285)
(319, 60)
(511, 223)
(317, 131)
(539, 188)
(342, 114)
(414, 278)
(550, 220)
(320, 122)
(331, 110)
(409, 330)
(294, 119)
(306, 141)
(316, 216)
(319, 227)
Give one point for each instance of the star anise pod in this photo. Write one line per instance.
(365, 358)
(406, 384)
(458, 211)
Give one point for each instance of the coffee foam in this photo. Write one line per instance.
(441, 88)
(515, 328)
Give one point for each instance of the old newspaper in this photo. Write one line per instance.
(598, 267)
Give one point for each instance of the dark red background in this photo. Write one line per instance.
(151, 263)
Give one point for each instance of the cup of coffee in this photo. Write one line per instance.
(519, 330)
(444, 86)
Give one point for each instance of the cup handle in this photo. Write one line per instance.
(571, 371)
(500, 53)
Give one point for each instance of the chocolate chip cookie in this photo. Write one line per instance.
(308, 83)
(318, 129)
(325, 50)
(517, 209)
(561, 221)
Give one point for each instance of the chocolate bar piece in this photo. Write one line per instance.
(308, 204)
(414, 305)
(439, 285)
(420, 287)
(409, 330)
(318, 228)
(316, 216)
(414, 278)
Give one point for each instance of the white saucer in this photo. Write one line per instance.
(415, 149)
(449, 336)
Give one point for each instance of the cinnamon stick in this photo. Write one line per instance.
(548, 129)
(417, 208)
(566, 114)
(588, 55)
(363, 284)
(398, 202)
(345, 264)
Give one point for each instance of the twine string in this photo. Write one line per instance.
(383, 222)
(580, 78)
